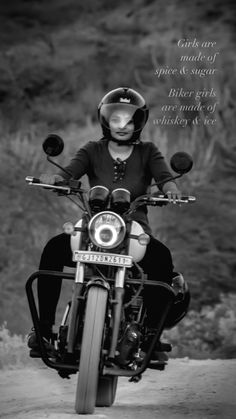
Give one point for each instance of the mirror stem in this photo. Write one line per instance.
(177, 176)
(57, 165)
(169, 180)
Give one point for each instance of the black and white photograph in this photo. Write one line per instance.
(117, 209)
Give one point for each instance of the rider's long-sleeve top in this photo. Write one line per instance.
(135, 173)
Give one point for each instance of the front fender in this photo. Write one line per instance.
(98, 282)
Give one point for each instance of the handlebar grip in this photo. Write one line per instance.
(60, 189)
(157, 200)
(183, 197)
(31, 179)
(189, 198)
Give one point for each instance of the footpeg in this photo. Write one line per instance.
(157, 365)
(34, 354)
(164, 347)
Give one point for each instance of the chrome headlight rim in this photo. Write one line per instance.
(93, 233)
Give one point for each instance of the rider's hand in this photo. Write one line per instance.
(159, 194)
(170, 189)
(50, 179)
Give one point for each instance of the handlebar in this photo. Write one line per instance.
(36, 182)
(74, 187)
(70, 187)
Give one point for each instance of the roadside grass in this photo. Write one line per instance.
(207, 333)
(13, 350)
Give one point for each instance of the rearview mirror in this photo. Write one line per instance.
(181, 162)
(53, 145)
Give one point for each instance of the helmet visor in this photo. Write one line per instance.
(123, 113)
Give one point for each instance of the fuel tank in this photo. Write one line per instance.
(135, 249)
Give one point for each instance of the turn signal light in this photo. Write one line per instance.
(144, 239)
(69, 228)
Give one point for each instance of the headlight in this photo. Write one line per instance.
(107, 229)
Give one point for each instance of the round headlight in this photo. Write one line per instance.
(107, 229)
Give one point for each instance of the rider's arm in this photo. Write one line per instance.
(158, 167)
(79, 165)
(162, 175)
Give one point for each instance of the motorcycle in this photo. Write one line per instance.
(104, 325)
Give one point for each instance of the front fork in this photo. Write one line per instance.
(74, 310)
(117, 309)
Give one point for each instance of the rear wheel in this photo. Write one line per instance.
(106, 391)
(87, 384)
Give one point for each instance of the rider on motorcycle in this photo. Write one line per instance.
(118, 160)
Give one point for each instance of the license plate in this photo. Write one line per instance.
(102, 258)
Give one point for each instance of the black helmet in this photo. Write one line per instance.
(131, 101)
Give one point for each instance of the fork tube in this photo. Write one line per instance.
(79, 279)
(120, 277)
(65, 316)
(79, 274)
(117, 309)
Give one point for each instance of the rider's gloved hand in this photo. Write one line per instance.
(170, 189)
(50, 179)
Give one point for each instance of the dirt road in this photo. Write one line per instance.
(195, 389)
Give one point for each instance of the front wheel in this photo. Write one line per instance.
(86, 391)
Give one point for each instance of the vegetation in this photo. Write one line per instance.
(13, 352)
(57, 60)
(208, 333)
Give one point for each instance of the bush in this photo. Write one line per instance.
(13, 349)
(209, 333)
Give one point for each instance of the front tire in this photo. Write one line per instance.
(86, 391)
